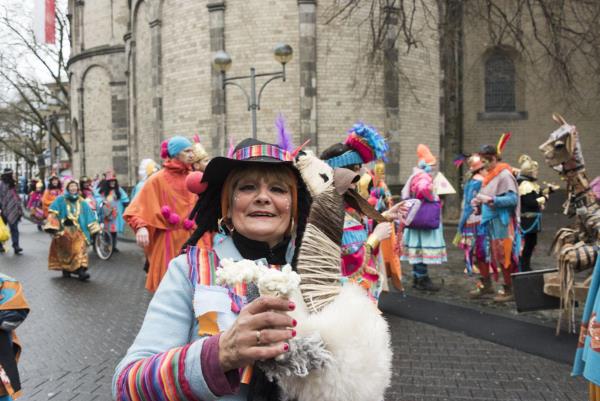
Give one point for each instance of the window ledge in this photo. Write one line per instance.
(502, 115)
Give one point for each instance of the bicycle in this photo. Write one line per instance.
(103, 241)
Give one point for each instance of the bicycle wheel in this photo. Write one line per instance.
(103, 245)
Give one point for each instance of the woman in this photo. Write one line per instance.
(10, 208)
(195, 337)
(73, 223)
(468, 237)
(87, 192)
(53, 191)
(361, 261)
(34, 204)
(113, 199)
(158, 212)
(422, 247)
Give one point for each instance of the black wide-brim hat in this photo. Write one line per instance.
(249, 152)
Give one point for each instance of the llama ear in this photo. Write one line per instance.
(299, 148)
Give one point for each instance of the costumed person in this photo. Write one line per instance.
(146, 169)
(53, 191)
(10, 208)
(361, 259)
(34, 204)
(423, 239)
(468, 237)
(113, 200)
(72, 223)
(533, 201)
(201, 157)
(159, 212)
(500, 212)
(13, 311)
(207, 335)
(87, 192)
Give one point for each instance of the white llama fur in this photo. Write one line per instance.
(358, 338)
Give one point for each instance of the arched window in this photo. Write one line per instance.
(499, 83)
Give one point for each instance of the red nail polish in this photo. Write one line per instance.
(293, 333)
(294, 323)
(286, 347)
(292, 306)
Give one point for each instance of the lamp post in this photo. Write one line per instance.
(282, 52)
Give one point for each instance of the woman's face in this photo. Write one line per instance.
(54, 182)
(261, 208)
(186, 155)
(112, 183)
(201, 165)
(72, 188)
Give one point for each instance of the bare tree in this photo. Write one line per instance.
(38, 102)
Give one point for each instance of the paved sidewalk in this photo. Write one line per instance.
(77, 332)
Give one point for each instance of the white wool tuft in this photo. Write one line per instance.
(317, 174)
(358, 338)
(269, 281)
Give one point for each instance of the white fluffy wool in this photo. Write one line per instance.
(358, 337)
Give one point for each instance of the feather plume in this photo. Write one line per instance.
(459, 160)
(284, 137)
(196, 138)
(362, 137)
(231, 149)
(504, 138)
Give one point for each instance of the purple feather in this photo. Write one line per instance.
(284, 138)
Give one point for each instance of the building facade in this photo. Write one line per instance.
(141, 71)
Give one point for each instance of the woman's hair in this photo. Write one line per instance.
(260, 171)
(207, 211)
(8, 179)
(52, 186)
(105, 188)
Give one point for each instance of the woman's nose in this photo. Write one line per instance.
(263, 194)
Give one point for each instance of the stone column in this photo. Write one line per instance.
(156, 55)
(216, 10)
(81, 121)
(391, 95)
(120, 148)
(79, 4)
(307, 55)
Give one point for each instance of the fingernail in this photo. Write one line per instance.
(286, 347)
(293, 333)
(294, 323)
(292, 306)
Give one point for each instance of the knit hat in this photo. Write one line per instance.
(425, 155)
(366, 145)
(172, 147)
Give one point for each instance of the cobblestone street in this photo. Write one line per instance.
(77, 332)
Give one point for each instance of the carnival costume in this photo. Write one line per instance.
(175, 355)
(34, 204)
(13, 310)
(113, 201)
(162, 207)
(146, 169)
(201, 156)
(500, 223)
(10, 204)
(469, 239)
(72, 223)
(423, 246)
(87, 192)
(361, 259)
(51, 193)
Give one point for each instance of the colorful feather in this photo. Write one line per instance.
(231, 149)
(363, 138)
(459, 160)
(196, 138)
(284, 137)
(504, 138)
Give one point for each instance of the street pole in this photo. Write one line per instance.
(253, 104)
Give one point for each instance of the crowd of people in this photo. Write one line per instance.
(192, 215)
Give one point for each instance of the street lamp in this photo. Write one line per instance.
(282, 52)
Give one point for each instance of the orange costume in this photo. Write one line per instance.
(49, 196)
(163, 206)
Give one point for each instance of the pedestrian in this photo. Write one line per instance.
(361, 259)
(10, 208)
(500, 211)
(53, 191)
(159, 212)
(13, 311)
(423, 240)
(146, 169)
(468, 237)
(113, 200)
(34, 204)
(201, 157)
(87, 192)
(72, 223)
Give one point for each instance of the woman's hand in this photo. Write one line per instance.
(382, 231)
(142, 237)
(259, 333)
(396, 212)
